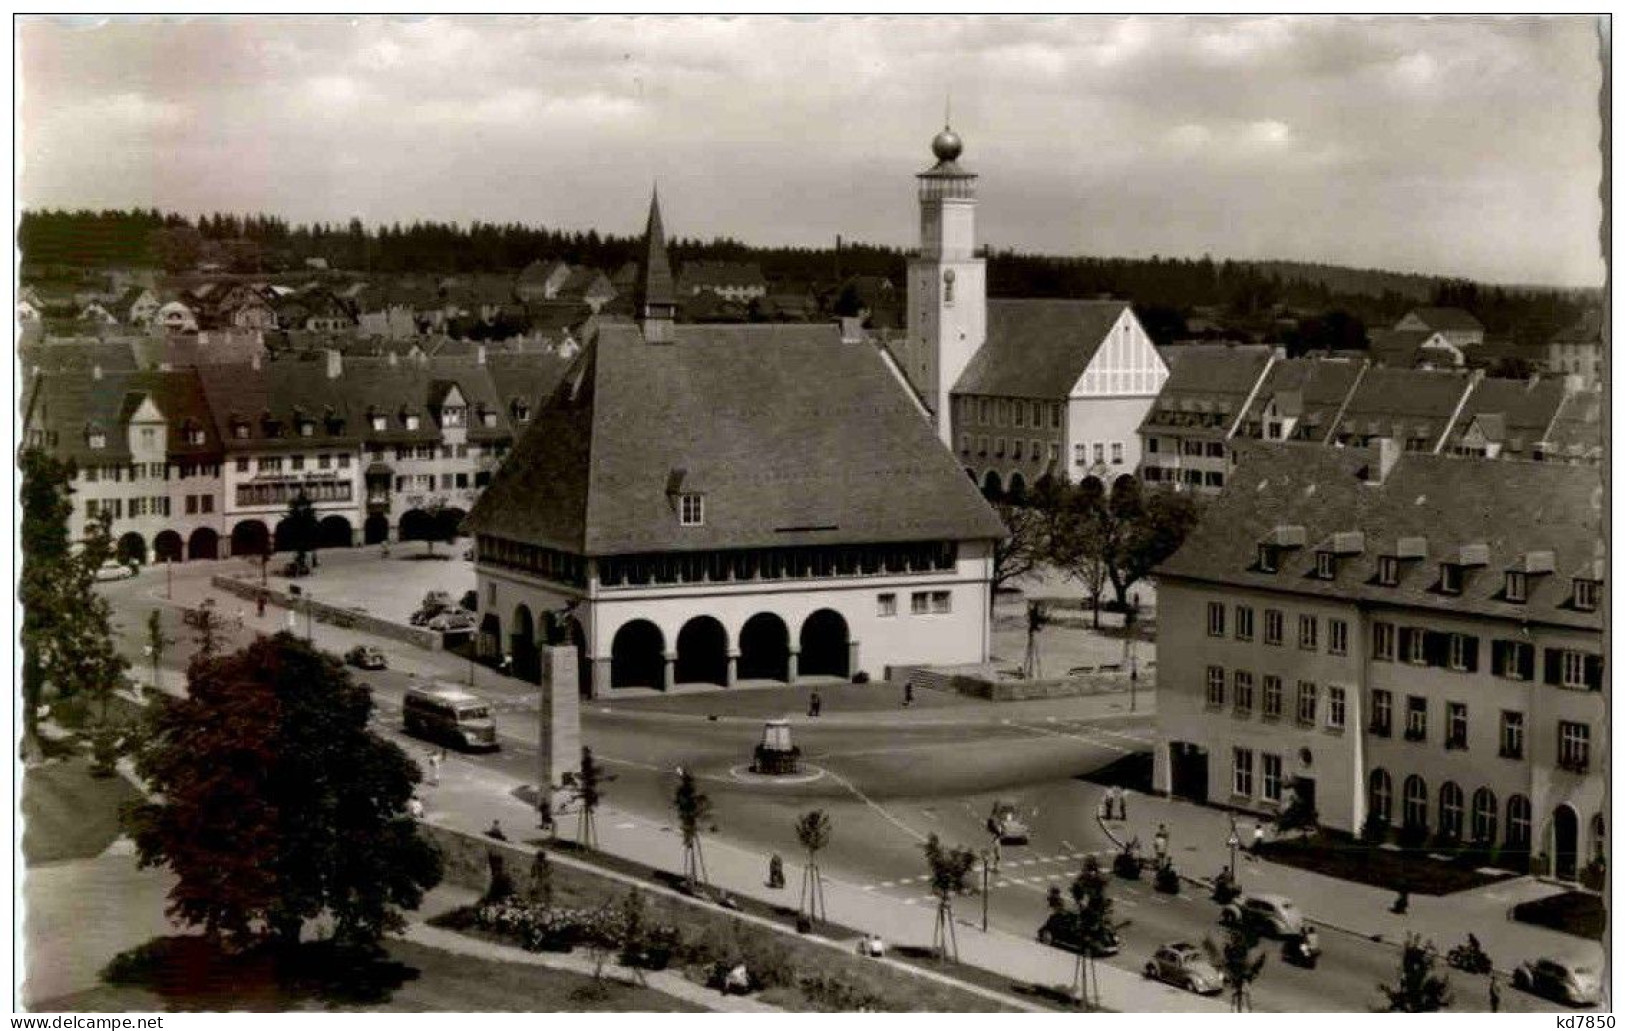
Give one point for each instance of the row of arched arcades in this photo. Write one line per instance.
(703, 651)
(1015, 490)
(250, 537)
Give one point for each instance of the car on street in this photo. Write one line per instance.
(1274, 916)
(455, 621)
(1006, 824)
(365, 657)
(1065, 931)
(113, 569)
(1573, 981)
(1184, 965)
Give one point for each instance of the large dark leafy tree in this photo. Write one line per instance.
(1143, 528)
(1418, 989)
(1031, 526)
(1239, 960)
(298, 529)
(276, 804)
(67, 632)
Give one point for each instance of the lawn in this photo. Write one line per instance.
(1348, 859)
(68, 814)
(1579, 913)
(413, 979)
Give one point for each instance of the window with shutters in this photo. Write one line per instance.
(1215, 619)
(1382, 712)
(1243, 693)
(1513, 660)
(1274, 626)
(1413, 645)
(1577, 671)
(1573, 746)
(1416, 718)
(1215, 687)
(1272, 698)
(1511, 734)
(1455, 725)
(1463, 651)
(1382, 641)
(1244, 622)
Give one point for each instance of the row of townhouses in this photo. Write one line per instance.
(204, 461)
(1218, 397)
(1405, 640)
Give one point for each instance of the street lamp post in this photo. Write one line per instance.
(1129, 655)
(1234, 842)
(985, 881)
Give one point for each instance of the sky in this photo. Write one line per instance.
(1461, 146)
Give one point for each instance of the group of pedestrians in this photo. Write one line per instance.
(1114, 805)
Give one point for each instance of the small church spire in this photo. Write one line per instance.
(655, 298)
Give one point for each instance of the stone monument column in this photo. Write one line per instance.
(559, 740)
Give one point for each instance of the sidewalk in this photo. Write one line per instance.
(1197, 844)
(469, 798)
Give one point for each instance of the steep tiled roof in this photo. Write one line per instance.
(1403, 348)
(1309, 389)
(1207, 386)
(1447, 319)
(1515, 412)
(278, 394)
(1405, 404)
(69, 403)
(1576, 432)
(1512, 508)
(80, 354)
(1038, 348)
(777, 425)
(700, 275)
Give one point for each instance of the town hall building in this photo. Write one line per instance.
(721, 504)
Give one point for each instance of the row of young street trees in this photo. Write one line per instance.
(1098, 537)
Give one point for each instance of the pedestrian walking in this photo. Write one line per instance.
(1495, 994)
(1122, 804)
(495, 831)
(1258, 835)
(1159, 841)
(815, 704)
(259, 605)
(775, 871)
(434, 768)
(997, 853)
(908, 693)
(1402, 904)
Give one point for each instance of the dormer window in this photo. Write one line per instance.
(1586, 594)
(96, 438)
(521, 412)
(379, 424)
(489, 419)
(1388, 570)
(1517, 588)
(1325, 565)
(691, 509)
(307, 428)
(451, 416)
(1450, 578)
(1268, 558)
(239, 430)
(194, 435)
(410, 419)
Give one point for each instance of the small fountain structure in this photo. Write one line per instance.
(776, 756)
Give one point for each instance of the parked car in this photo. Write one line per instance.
(1006, 823)
(1065, 931)
(113, 569)
(366, 657)
(433, 604)
(1576, 982)
(1272, 915)
(1184, 965)
(452, 621)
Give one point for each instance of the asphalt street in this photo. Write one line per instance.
(885, 787)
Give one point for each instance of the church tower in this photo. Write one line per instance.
(947, 282)
(654, 301)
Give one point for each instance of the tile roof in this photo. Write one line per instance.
(1512, 412)
(68, 403)
(794, 438)
(699, 275)
(1405, 404)
(1210, 383)
(278, 394)
(1311, 390)
(1512, 508)
(1576, 431)
(1038, 348)
(1404, 348)
(1446, 319)
(1588, 329)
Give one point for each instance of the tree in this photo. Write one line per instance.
(1081, 540)
(1030, 527)
(207, 626)
(157, 642)
(298, 529)
(1419, 989)
(1143, 529)
(439, 527)
(950, 867)
(1097, 930)
(276, 804)
(84, 636)
(589, 792)
(1238, 962)
(813, 831)
(46, 506)
(693, 810)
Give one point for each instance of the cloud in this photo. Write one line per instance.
(1342, 139)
